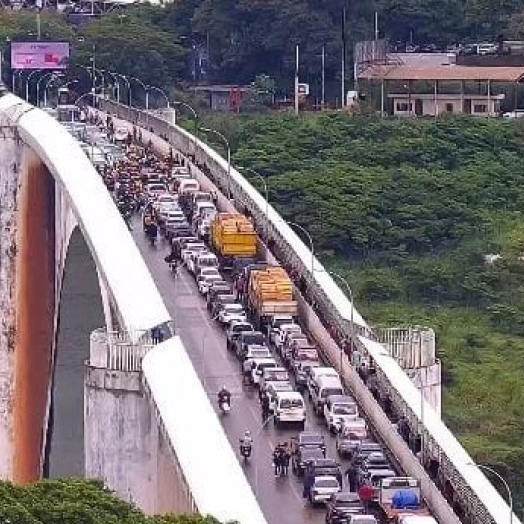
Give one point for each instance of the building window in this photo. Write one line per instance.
(480, 108)
(403, 107)
(449, 108)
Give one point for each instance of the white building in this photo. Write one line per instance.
(406, 104)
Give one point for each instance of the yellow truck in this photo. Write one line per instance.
(270, 293)
(233, 236)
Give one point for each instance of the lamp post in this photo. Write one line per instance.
(311, 244)
(27, 83)
(132, 78)
(47, 85)
(158, 90)
(15, 80)
(195, 119)
(351, 331)
(266, 195)
(114, 76)
(209, 130)
(128, 85)
(503, 480)
(98, 72)
(38, 87)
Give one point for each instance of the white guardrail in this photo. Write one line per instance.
(140, 309)
(464, 485)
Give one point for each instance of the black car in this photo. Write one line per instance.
(303, 456)
(220, 301)
(235, 330)
(215, 291)
(342, 505)
(248, 339)
(323, 467)
(309, 438)
(364, 450)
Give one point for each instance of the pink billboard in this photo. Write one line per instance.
(39, 55)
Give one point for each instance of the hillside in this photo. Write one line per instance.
(408, 210)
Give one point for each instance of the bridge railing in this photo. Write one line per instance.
(463, 484)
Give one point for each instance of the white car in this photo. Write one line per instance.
(322, 489)
(165, 199)
(339, 409)
(192, 248)
(357, 427)
(204, 283)
(232, 312)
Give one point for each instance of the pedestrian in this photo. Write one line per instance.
(156, 335)
(351, 477)
(366, 494)
(285, 457)
(277, 461)
(265, 408)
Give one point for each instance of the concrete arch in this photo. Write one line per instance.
(48, 187)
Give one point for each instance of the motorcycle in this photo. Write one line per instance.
(245, 451)
(225, 406)
(152, 233)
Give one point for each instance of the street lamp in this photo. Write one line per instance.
(114, 76)
(311, 245)
(351, 331)
(209, 130)
(158, 90)
(131, 78)
(15, 81)
(47, 85)
(503, 480)
(27, 83)
(266, 195)
(195, 119)
(38, 86)
(128, 84)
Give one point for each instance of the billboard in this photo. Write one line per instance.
(39, 55)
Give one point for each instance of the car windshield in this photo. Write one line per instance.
(234, 308)
(345, 409)
(289, 403)
(168, 199)
(327, 392)
(326, 482)
(266, 365)
(208, 261)
(254, 338)
(260, 353)
(241, 327)
(277, 376)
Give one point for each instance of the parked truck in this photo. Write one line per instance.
(270, 294)
(233, 237)
(401, 496)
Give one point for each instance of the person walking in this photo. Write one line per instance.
(265, 407)
(277, 461)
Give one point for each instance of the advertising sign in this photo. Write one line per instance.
(39, 55)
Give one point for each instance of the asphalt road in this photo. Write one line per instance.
(280, 498)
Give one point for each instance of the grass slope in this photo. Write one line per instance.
(408, 209)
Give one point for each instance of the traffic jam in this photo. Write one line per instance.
(255, 303)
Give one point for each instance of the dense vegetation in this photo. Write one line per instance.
(245, 38)
(408, 210)
(75, 502)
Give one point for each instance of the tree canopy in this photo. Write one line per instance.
(76, 501)
(407, 210)
(247, 38)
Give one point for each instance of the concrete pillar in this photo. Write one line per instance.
(124, 446)
(10, 161)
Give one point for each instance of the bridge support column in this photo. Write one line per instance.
(124, 446)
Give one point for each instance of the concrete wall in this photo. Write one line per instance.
(124, 445)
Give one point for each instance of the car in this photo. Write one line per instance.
(339, 410)
(324, 466)
(256, 351)
(205, 282)
(322, 489)
(304, 455)
(365, 448)
(357, 426)
(301, 373)
(234, 330)
(192, 248)
(309, 438)
(289, 407)
(220, 302)
(246, 339)
(231, 312)
(343, 504)
(275, 387)
(369, 519)
(347, 443)
(373, 478)
(273, 375)
(258, 366)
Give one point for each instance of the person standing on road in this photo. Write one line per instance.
(277, 461)
(366, 494)
(265, 407)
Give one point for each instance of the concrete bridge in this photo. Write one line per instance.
(47, 189)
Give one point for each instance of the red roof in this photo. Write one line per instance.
(444, 73)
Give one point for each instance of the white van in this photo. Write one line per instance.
(258, 369)
(318, 372)
(289, 406)
(323, 388)
(338, 410)
(188, 185)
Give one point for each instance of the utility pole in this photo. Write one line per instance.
(38, 5)
(343, 76)
(376, 26)
(296, 79)
(323, 97)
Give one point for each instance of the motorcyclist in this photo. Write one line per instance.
(246, 441)
(224, 395)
